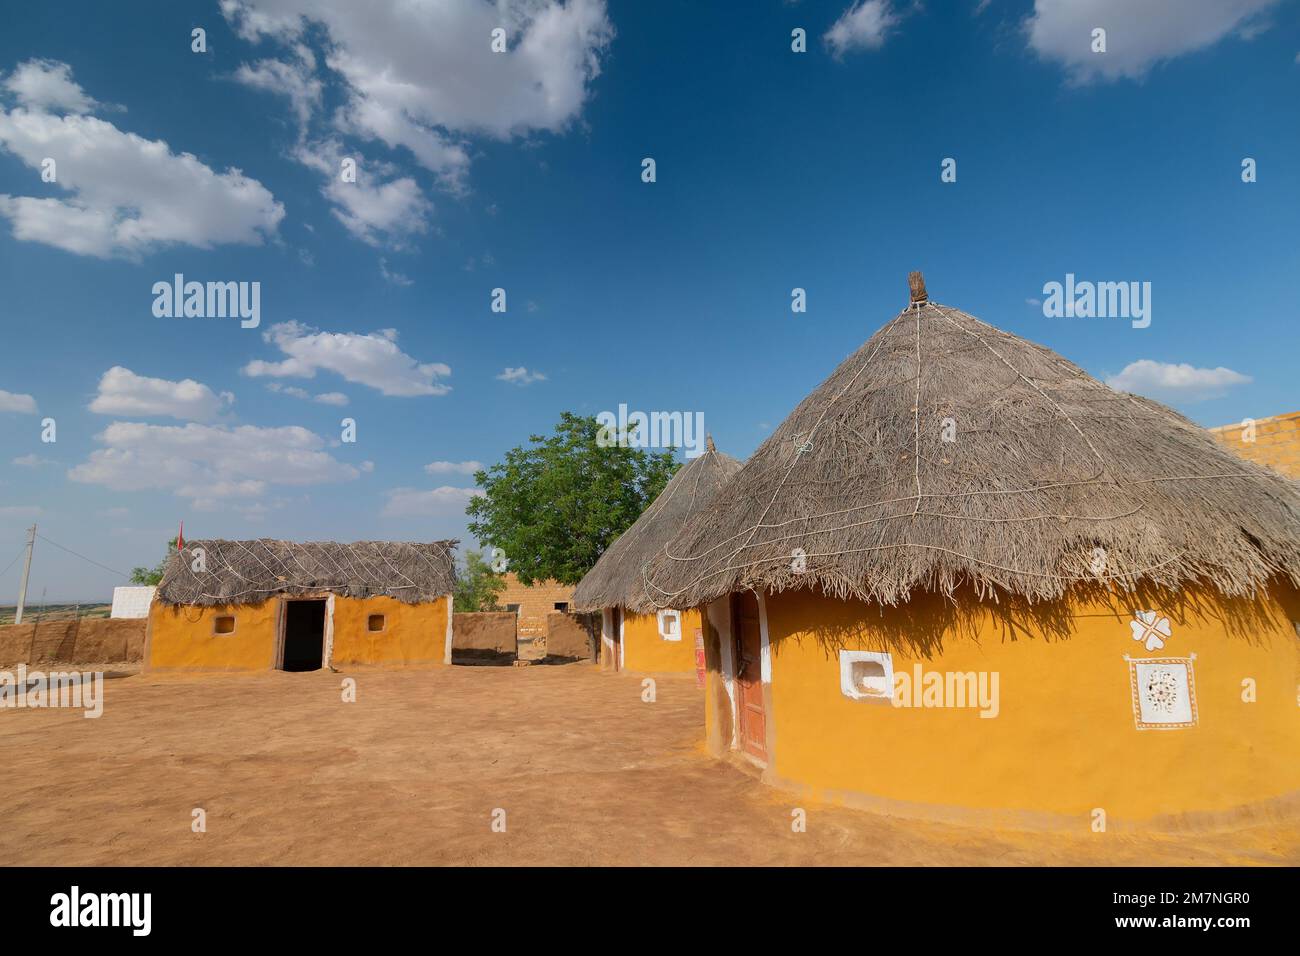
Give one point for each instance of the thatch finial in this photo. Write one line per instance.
(916, 283)
(708, 443)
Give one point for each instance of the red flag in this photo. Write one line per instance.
(180, 536)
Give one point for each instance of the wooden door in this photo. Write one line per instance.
(615, 637)
(751, 720)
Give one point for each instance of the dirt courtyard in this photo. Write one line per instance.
(411, 773)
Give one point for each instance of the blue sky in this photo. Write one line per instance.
(522, 170)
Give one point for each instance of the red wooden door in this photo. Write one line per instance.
(615, 636)
(751, 721)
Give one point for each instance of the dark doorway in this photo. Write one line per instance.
(304, 635)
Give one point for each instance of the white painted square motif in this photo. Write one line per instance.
(1164, 693)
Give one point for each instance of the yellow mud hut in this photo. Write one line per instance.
(635, 634)
(297, 606)
(966, 578)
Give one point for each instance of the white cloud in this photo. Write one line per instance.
(520, 376)
(291, 390)
(126, 195)
(371, 359)
(17, 402)
(417, 74)
(380, 215)
(453, 467)
(1175, 382)
(863, 26)
(122, 392)
(324, 398)
(1138, 35)
(207, 463)
(419, 78)
(377, 209)
(396, 278)
(31, 461)
(293, 79)
(48, 85)
(432, 502)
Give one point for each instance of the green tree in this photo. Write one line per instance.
(554, 507)
(477, 585)
(153, 575)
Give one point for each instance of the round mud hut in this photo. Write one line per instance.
(966, 578)
(299, 606)
(636, 634)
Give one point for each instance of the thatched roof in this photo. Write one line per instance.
(1050, 480)
(616, 580)
(246, 572)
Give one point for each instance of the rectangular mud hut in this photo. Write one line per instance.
(301, 606)
(965, 578)
(637, 635)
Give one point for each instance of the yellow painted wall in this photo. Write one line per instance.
(413, 633)
(645, 650)
(181, 637)
(1065, 740)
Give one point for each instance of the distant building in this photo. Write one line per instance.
(132, 600)
(640, 631)
(533, 602)
(298, 606)
(1274, 441)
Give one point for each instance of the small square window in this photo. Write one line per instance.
(867, 675)
(561, 605)
(375, 623)
(670, 625)
(513, 607)
(223, 624)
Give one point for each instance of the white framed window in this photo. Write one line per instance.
(670, 625)
(867, 675)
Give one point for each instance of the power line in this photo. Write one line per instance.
(82, 556)
(13, 562)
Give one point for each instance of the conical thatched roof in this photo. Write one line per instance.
(246, 572)
(616, 580)
(1050, 479)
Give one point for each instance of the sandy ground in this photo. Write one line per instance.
(411, 773)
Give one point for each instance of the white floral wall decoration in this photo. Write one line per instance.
(1164, 692)
(1151, 629)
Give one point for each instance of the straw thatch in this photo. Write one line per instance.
(1050, 480)
(616, 580)
(246, 572)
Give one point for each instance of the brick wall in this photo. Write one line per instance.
(534, 602)
(1276, 444)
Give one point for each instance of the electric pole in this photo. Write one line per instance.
(27, 568)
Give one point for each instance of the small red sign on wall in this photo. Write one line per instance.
(699, 657)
